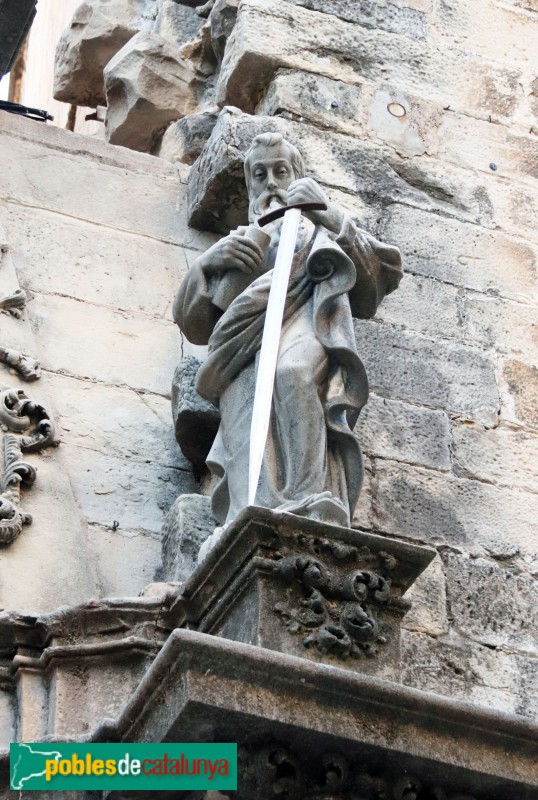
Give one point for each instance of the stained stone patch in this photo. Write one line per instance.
(442, 374)
(491, 604)
(184, 140)
(403, 432)
(186, 526)
(316, 98)
(520, 394)
(473, 516)
(463, 254)
(373, 14)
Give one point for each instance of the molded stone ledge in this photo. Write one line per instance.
(306, 588)
(208, 689)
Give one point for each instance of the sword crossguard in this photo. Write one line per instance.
(279, 212)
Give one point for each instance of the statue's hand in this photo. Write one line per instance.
(235, 251)
(306, 190)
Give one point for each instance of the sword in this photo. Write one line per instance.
(263, 394)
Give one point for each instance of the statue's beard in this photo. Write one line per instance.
(265, 202)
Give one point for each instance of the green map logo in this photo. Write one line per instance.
(30, 763)
(156, 767)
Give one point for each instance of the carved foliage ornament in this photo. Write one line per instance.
(28, 428)
(28, 368)
(275, 771)
(336, 612)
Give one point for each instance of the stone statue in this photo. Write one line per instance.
(312, 464)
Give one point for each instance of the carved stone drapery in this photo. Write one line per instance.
(28, 428)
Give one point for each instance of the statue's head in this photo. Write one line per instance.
(271, 165)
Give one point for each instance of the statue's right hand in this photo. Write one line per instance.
(235, 251)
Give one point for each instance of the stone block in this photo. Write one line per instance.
(402, 432)
(184, 140)
(493, 605)
(222, 21)
(42, 169)
(462, 254)
(428, 613)
(510, 35)
(186, 526)
(424, 305)
(285, 36)
(130, 497)
(148, 86)
(315, 98)
(392, 17)
(502, 456)
(439, 373)
(502, 325)
(196, 420)
(48, 566)
(137, 351)
(57, 254)
(519, 393)
(98, 29)
(177, 23)
(473, 516)
(476, 144)
(216, 188)
(109, 420)
(124, 563)
(408, 123)
(461, 670)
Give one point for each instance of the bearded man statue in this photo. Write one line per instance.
(312, 464)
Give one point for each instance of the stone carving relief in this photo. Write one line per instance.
(276, 771)
(14, 303)
(28, 368)
(28, 428)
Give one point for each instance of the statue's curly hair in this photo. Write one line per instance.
(275, 140)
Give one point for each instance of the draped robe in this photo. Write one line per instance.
(312, 464)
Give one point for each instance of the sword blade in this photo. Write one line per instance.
(263, 395)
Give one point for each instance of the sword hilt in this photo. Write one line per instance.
(279, 212)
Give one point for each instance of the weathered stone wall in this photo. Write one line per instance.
(419, 117)
(95, 237)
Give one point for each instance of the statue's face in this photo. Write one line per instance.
(271, 173)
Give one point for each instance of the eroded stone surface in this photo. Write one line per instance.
(463, 254)
(97, 31)
(148, 86)
(184, 140)
(196, 420)
(476, 517)
(491, 604)
(503, 456)
(395, 430)
(186, 526)
(407, 366)
(520, 395)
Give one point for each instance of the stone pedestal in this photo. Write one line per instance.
(305, 588)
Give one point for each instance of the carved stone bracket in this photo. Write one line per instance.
(28, 428)
(306, 588)
(14, 303)
(28, 367)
